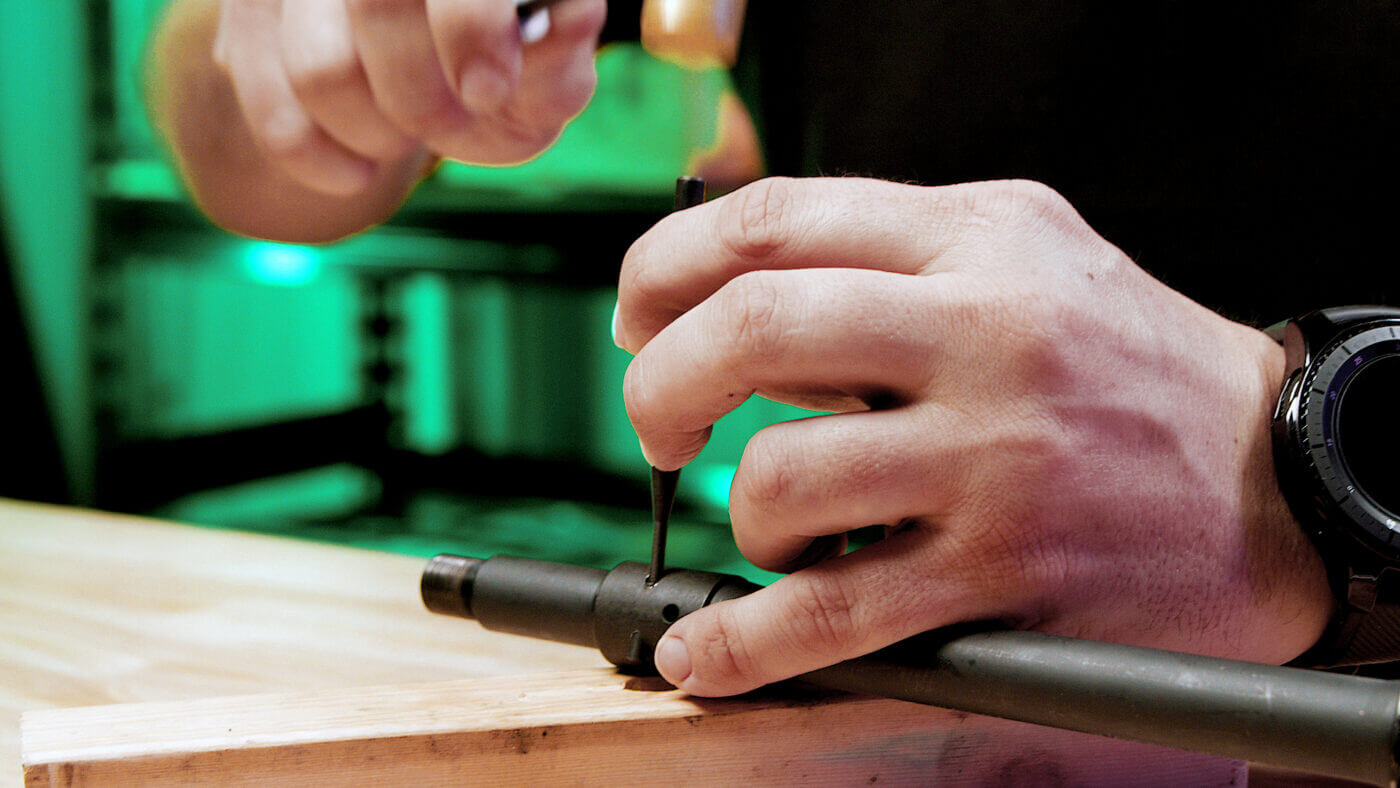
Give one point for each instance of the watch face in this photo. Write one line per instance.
(1367, 429)
(1351, 424)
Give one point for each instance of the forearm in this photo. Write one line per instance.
(228, 174)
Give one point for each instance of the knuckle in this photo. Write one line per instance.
(1017, 565)
(1032, 346)
(1039, 346)
(288, 135)
(764, 482)
(571, 94)
(636, 396)
(635, 282)
(526, 137)
(821, 618)
(1033, 193)
(1015, 550)
(584, 21)
(1025, 202)
(1051, 570)
(1030, 197)
(322, 75)
(643, 289)
(377, 8)
(219, 53)
(758, 220)
(646, 295)
(436, 113)
(1003, 554)
(725, 652)
(749, 307)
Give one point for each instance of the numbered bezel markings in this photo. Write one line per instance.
(1339, 362)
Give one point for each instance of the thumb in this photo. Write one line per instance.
(834, 611)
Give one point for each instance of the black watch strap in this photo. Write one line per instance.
(1365, 630)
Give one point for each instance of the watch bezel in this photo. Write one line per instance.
(1339, 501)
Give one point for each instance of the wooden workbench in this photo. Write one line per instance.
(101, 609)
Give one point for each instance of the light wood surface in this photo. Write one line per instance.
(99, 609)
(583, 727)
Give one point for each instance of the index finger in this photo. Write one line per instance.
(780, 223)
(479, 44)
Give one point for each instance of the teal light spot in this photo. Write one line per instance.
(281, 264)
(712, 482)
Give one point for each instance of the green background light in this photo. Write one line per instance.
(204, 332)
(44, 153)
(281, 264)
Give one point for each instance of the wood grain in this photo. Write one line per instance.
(583, 727)
(98, 608)
(143, 626)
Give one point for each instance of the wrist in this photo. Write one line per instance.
(1290, 578)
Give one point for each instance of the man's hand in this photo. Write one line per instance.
(1057, 440)
(333, 89)
(309, 120)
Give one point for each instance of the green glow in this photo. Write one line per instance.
(483, 354)
(711, 488)
(44, 150)
(218, 331)
(321, 505)
(321, 493)
(140, 179)
(428, 419)
(205, 347)
(283, 265)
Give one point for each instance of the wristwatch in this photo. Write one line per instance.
(1336, 436)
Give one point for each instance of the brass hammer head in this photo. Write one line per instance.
(694, 34)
